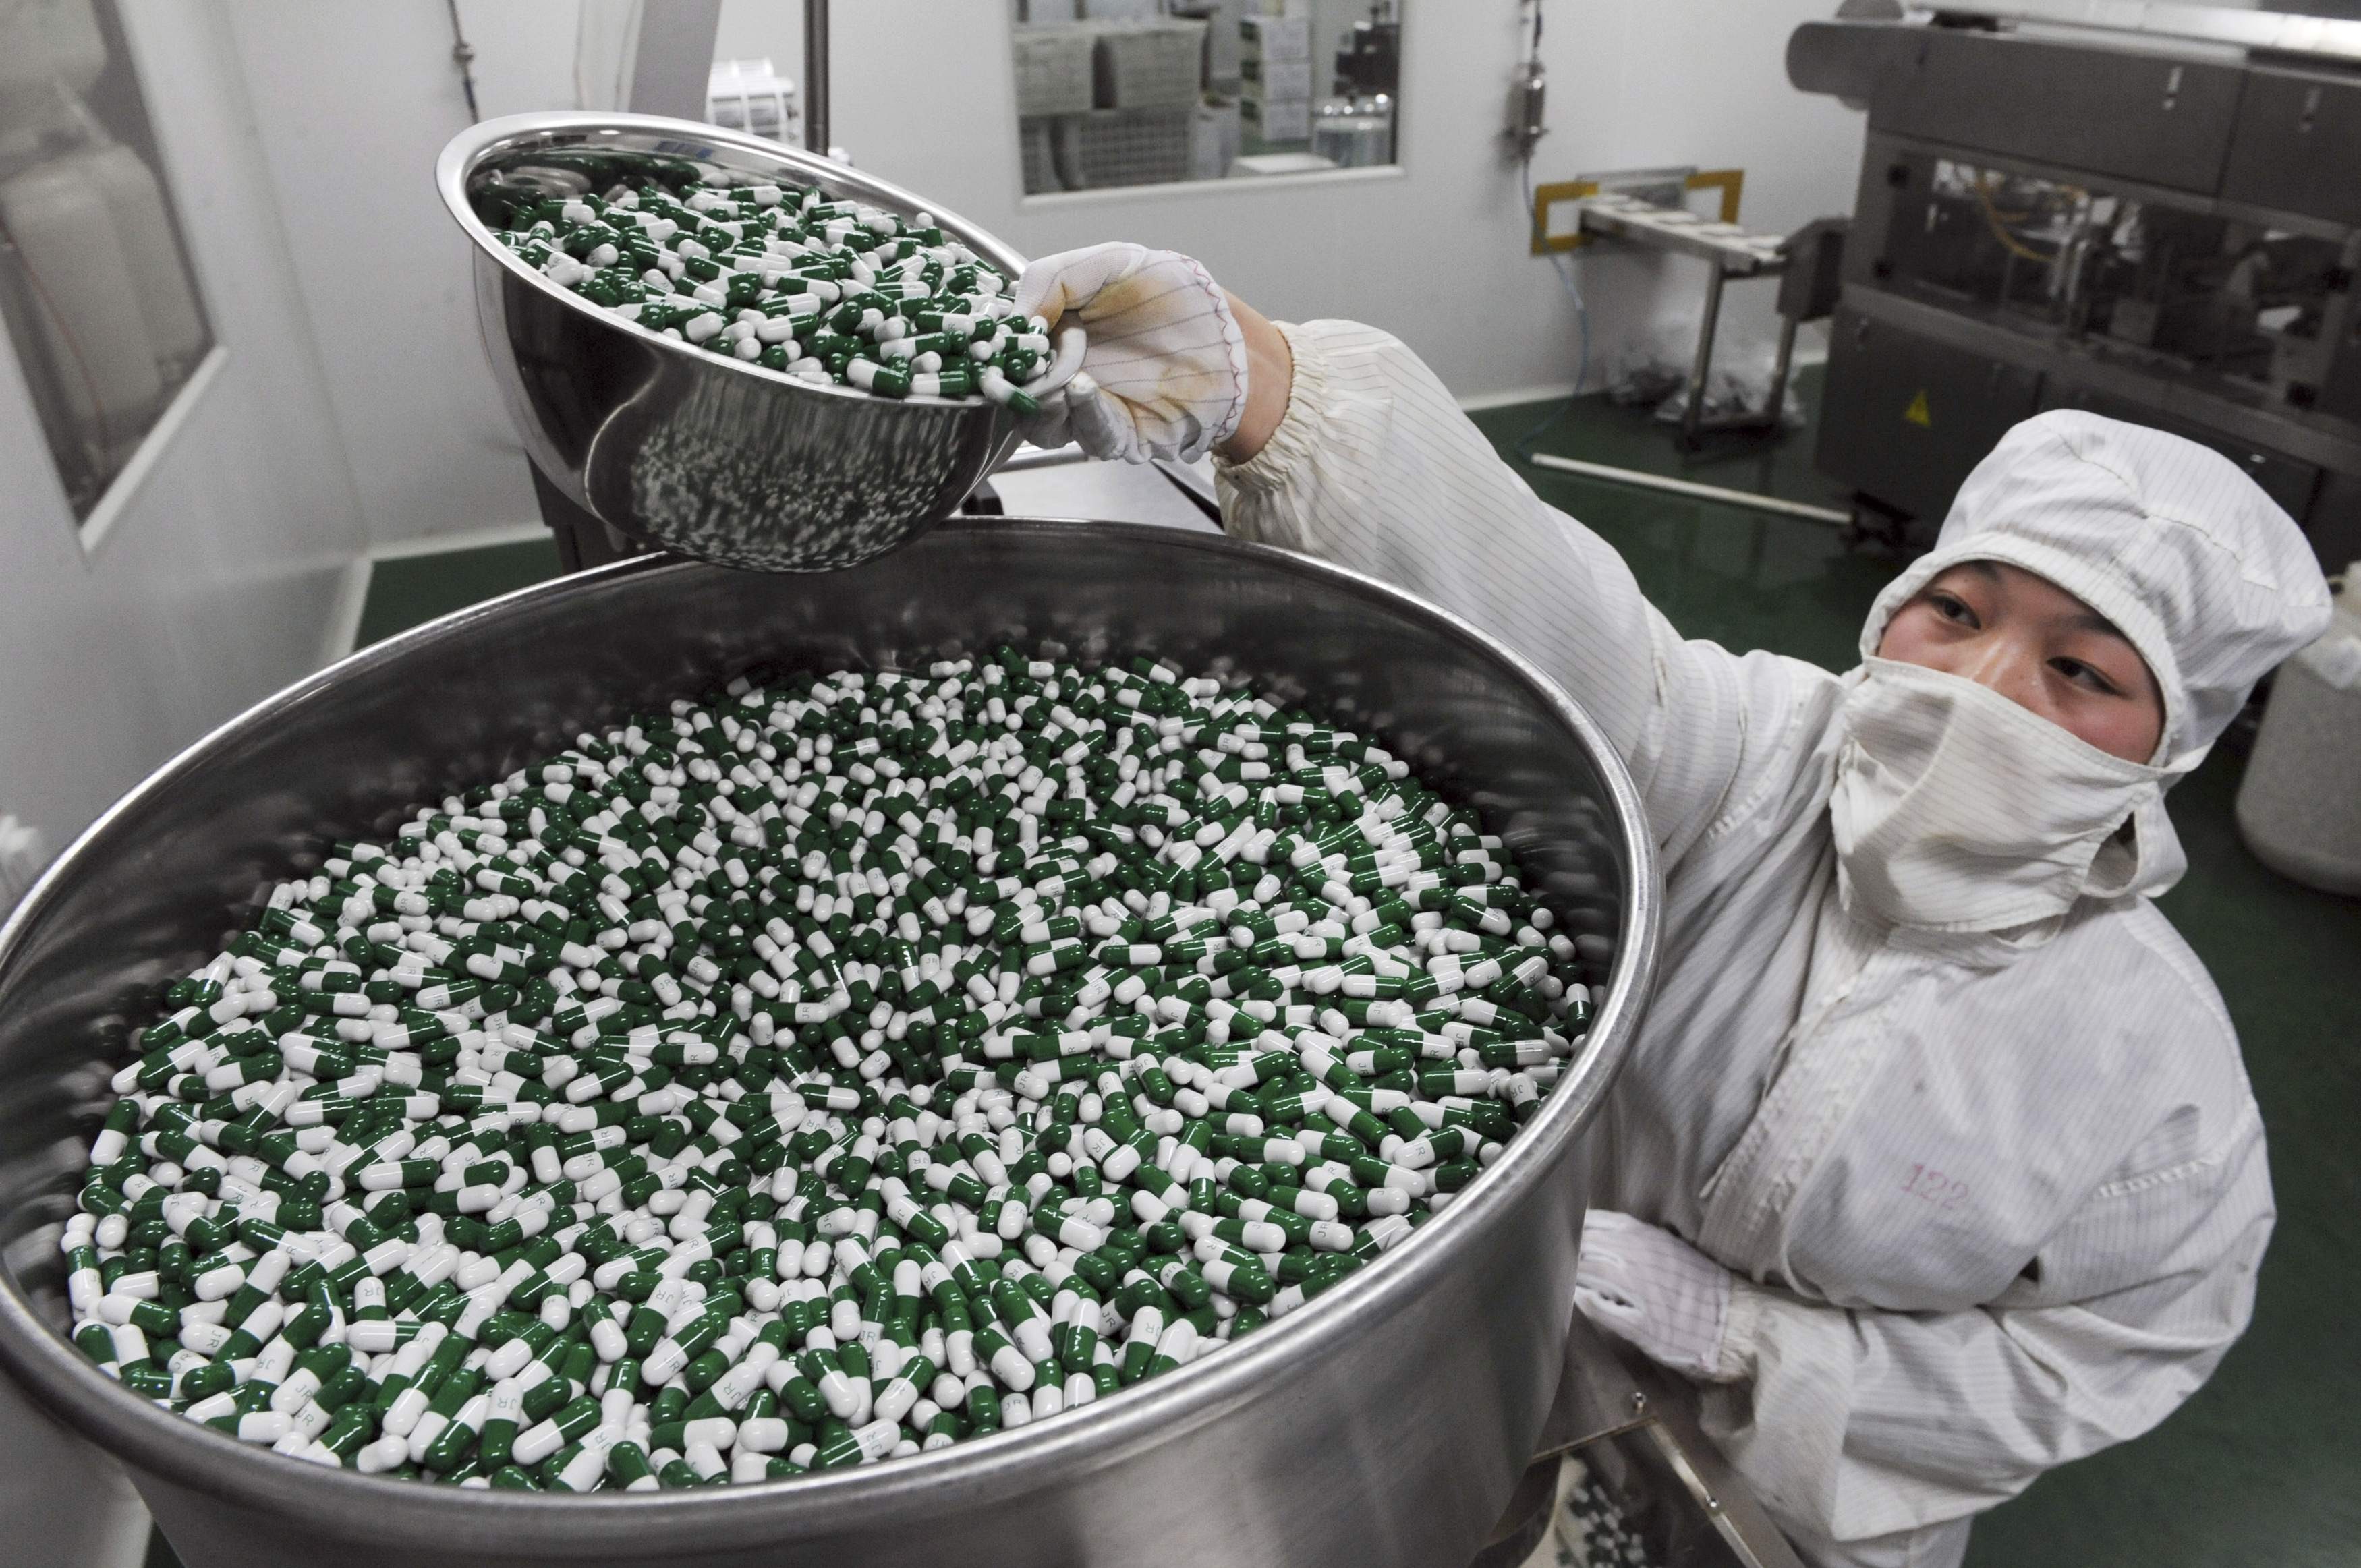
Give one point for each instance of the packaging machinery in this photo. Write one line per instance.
(2149, 211)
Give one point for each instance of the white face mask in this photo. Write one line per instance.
(1956, 810)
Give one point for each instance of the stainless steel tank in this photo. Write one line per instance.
(693, 452)
(1383, 1424)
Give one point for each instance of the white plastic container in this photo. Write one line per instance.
(1280, 120)
(1149, 64)
(2300, 804)
(1213, 140)
(1054, 69)
(92, 323)
(751, 96)
(1274, 38)
(176, 328)
(61, 47)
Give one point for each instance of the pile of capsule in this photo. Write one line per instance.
(830, 1070)
(1590, 1531)
(787, 278)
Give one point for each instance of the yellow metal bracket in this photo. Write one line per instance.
(1731, 182)
(1547, 196)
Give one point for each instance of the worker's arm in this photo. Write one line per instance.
(1853, 1424)
(1350, 449)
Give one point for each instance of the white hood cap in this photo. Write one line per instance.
(2211, 581)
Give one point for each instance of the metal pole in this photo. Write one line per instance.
(1693, 417)
(816, 77)
(1690, 488)
(1775, 407)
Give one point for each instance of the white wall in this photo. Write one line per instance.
(356, 97)
(1438, 256)
(215, 583)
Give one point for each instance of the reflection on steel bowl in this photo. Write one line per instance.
(694, 453)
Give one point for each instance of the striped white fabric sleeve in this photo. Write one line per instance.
(1375, 467)
(1861, 1423)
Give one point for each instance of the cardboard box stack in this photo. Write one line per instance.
(1275, 78)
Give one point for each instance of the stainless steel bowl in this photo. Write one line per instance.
(692, 452)
(1383, 1424)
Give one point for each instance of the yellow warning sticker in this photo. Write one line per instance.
(1917, 412)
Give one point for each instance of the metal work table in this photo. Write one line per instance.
(1732, 252)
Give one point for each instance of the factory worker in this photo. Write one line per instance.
(1934, 1162)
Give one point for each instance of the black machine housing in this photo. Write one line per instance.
(2155, 230)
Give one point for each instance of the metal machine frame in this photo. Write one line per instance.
(2195, 113)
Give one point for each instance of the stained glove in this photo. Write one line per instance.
(1166, 372)
(1656, 1292)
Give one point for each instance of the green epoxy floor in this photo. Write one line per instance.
(2264, 1465)
(414, 588)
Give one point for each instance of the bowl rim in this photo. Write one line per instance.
(464, 153)
(154, 1439)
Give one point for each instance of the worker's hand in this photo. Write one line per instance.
(1166, 373)
(1657, 1293)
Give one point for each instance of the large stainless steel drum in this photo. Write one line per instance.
(697, 452)
(1383, 1424)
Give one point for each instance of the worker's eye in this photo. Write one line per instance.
(2085, 675)
(1952, 607)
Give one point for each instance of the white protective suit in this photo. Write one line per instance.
(1993, 1200)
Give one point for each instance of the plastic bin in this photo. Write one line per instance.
(1124, 147)
(1213, 140)
(1036, 139)
(1274, 38)
(1281, 120)
(1150, 65)
(2299, 809)
(1053, 70)
(751, 96)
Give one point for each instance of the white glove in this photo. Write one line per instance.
(1656, 1292)
(1166, 373)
